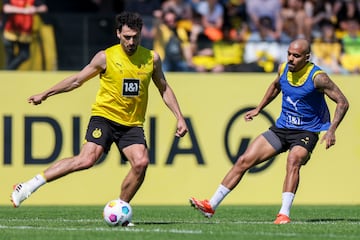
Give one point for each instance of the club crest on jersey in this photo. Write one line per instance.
(97, 133)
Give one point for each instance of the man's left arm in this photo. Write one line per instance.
(168, 96)
(325, 84)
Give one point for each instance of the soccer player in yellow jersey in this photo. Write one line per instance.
(118, 113)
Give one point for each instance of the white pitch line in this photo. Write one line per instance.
(175, 231)
(207, 221)
(105, 229)
(298, 222)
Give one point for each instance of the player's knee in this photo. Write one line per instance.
(140, 165)
(294, 163)
(243, 163)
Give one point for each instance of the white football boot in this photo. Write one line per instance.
(20, 193)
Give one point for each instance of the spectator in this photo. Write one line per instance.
(235, 20)
(18, 29)
(182, 8)
(264, 32)
(318, 11)
(211, 20)
(265, 8)
(296, 23)
(345, 9)
(327, 50)
(351, 44)
(172, 44)
(262, 50)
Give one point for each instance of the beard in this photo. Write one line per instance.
(130, 50)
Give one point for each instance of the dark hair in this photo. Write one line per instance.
(132, 20)
(326, 23)
(266, 22)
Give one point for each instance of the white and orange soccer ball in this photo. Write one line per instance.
(117, 213)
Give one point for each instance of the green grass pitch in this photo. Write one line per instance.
(180, 222)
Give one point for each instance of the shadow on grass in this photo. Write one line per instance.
(332, 220)
(171, 222)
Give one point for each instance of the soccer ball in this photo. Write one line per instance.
(117, 213)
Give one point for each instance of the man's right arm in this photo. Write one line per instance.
(270, 94)
(97, 65)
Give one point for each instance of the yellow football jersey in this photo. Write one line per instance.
(123, 93)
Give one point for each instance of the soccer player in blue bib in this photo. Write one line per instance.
(303, 115)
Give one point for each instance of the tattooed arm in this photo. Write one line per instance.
(325, 84)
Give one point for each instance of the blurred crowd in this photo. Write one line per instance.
(252, 35)
(240, 35)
